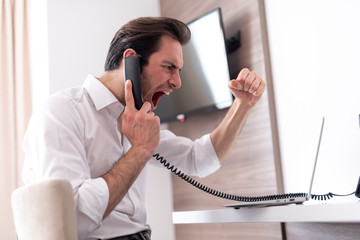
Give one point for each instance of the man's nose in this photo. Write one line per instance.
(175, 81)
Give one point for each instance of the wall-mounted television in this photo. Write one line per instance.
(205, 73)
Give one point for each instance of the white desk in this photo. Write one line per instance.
(309, 212)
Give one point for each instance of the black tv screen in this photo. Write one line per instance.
(205, 73)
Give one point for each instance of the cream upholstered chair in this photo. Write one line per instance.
(45, 210)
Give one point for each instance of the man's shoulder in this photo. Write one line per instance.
(69, 94)
(63, 103)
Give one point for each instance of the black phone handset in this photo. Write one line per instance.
(132, 71)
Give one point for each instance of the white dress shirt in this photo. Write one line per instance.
(74, 136)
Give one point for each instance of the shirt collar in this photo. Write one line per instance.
(101, 95)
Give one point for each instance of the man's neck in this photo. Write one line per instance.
(114, 81)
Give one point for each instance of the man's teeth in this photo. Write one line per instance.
(166, 92)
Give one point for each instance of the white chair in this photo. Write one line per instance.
(45, 210)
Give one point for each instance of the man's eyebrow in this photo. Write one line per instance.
(173, 65)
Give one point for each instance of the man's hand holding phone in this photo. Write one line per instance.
(141, 127)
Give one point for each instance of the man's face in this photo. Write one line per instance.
(161, 75)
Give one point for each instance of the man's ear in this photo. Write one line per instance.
(129, 53)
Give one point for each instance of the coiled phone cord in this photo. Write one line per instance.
(219, 194)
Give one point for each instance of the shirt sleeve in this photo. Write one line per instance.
(195, 158)
(54, 148)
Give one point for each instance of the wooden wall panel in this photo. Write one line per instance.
(250, 168)
(328, 231)
(228, 231)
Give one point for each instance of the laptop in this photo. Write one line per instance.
(286, 199)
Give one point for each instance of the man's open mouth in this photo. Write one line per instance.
(156, 97)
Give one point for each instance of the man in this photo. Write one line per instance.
(95, 137)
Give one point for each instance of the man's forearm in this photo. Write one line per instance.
(224, 136)
(122, 175)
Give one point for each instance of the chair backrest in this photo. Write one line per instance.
(45, 210)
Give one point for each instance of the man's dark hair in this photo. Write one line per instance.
(143, 35)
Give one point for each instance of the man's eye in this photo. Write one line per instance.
(167, 67)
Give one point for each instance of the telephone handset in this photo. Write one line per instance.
(132, 71)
